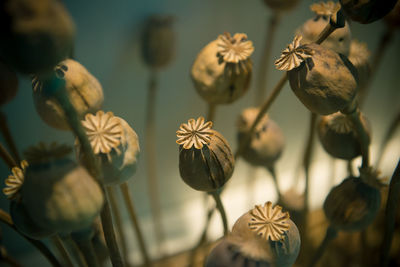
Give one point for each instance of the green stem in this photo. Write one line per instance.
(62, 251)
(86, 247)
(6, 219)
(390, 215)
(273, 23)
(73, 250)
(132, 213)
(151, 162)
(220, 207)
(5, 130)
(329, 236)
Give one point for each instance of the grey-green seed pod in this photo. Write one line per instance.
(36, 35)
(352, 205)
(206, 162)
(222, 70)
(83, 89)
(338, 137)
(266, 144)
(158, 41)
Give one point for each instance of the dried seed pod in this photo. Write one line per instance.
(359, 57)
(367, 11)
(266, 144)
(393, 18)
(353, 204)
(266, 233)
(36, 35)
(338, 41)
(205, 159)
(115, 144)
(84, 91)
(158, 41)
(338, 137)
(8, 84)
(222, 70)
(59, 194)
(323, 80)
(281, 5)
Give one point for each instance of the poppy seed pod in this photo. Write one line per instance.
(158, 41)
(338, 137)
(367, 11)
(266, 144)
(222, 70)
(83, 89)
(205, 159)
(36, 35)
(359, 57)
(323, 80)
(352, 205)
(338, 41)
(8, 84)
(281, 5)
(59, 194)
(266, 233)
(114, 143)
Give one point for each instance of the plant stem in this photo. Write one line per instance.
(390, 215)
(5, 130)
(86, 247)
(132, 213)
(151, 162)
(262, 77)
(211, 112)
(57, 90)
(220, 207)
(307, 159)
(7, 157)
(263, 109)
(388, 136)
(272, 170)
(6, 219)
(73, 250)
(354, 117)
(62, 251)
(118, 221)
(329, 236)
(4, 257)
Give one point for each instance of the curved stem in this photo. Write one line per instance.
(329, 236)
(262, 78)
(5, 130)
(118, 221)
(132, 213)
(211, 112)
(263, 109)
(390, 215)
(6, 219)
(7, 157)
(220, 207)
(151, 162)
(272, 170)
(57, 90)
(307, 159)
(61, 249)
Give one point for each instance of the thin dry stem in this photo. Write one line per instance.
(5, 130)
(329, 236)
(62, 251)
(221, 209)
(7, 157)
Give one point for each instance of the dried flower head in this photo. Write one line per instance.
(325, 8)
(234, 49)
(293, 55)
(269, 222)
(104, 131)
(43, 153)
(340, 123)
(195, 132)
(15, 181)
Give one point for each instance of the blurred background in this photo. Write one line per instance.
(108, 45)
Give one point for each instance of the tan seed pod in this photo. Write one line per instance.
(205, 159)
(324, 81)
(59, 194)
(115, 144)
(266, 233)
(8, 84)
(158, 41)
(83, 89)
(367, 11)
(338, 137)
(352, 205)
(266, 144)
(281, 5)
(338, 41)
(222, 70)
(36, 35)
